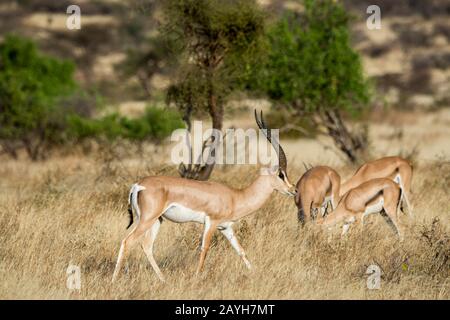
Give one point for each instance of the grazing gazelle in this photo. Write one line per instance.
(394, 168)
(373, 196)
(317, 187)
(213, 204)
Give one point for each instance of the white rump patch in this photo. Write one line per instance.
(135, 188)
(133, 201)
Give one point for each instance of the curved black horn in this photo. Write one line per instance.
(282, 161)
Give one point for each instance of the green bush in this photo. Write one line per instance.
(154, 125)
(40, 108)
(214, 41)
(312, 71)
(31, 85)
(311, 64)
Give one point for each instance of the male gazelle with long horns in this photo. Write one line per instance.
(373, 196)
(394, 168)
(212, 204)
(317, 187)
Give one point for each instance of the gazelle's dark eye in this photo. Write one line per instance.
(281, 175)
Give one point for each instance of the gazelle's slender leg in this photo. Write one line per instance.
(404, 199)
(391, 212)
(346, 225)
(306, 205)
(334, 201)
(405, 173)
(315, 212)
(126, 244)
(207, 234)
(345, 228)
(323, 209)
(147, 245)
(363, 216)
(335, 189)
(301, 216)
(229, 234)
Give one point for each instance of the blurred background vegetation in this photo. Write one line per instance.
(138, 69)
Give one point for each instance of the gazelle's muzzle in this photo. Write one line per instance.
(292, 193)
(292, 189)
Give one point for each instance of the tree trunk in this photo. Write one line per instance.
(143, 81)
(352, 144)
(216, 113)
(203, 172)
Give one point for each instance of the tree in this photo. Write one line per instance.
(215, 41)
(146, 51)
(30, 86)
(313, 71)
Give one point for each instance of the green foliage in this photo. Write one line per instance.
(215, 25)
(311, 65)
(31, 85)
(311, 70)
(215, 41)
(38, 107)
(155, 125)
(290, 127)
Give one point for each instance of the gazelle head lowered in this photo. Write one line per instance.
(278, 180)
(278, 174)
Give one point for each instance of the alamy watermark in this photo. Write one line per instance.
(235, 146)
(73, 22)
(373, 22)
(73, 281)
(374, 278)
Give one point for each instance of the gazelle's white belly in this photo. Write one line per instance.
(176, 212)
(375, 208)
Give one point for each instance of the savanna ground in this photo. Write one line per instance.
(72, 209)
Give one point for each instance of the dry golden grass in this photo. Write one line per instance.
(72, 210)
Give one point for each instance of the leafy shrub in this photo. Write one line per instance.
(311, 65)
(40, 108)
(31, 85)
(154, 125)
(290, 127)
(313, 71)
(216, 39)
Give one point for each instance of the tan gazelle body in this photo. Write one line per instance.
(394, 168)
(373, 196)
(212, 204)
(317, 187)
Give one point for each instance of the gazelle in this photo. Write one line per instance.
(394, 168)
(370, 197)
(317, 187)
(212, 204)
